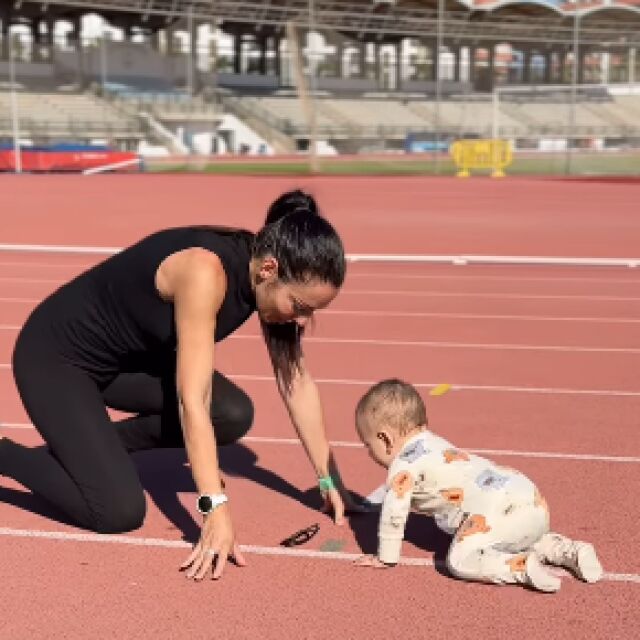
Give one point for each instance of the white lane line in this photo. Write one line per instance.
(457, 387)
(397, 273)
(477, 294)
(451, 345)
(352, 444)
(246, 548)
(622, 577)
(78, 249)
(553, 454)
(473, 316)
(479, 276)
(375, 313)
(442, 294)
(430, 385)
(181, 544)
(494, 452)
(351, 275)
(19, 300)
(393, 276)
(31, 280)
(52, 265)
(431, 344)
(431, 314)
(404, 258)
(466, 259)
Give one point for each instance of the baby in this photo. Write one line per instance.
(498, 519)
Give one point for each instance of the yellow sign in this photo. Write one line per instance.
(481, 154)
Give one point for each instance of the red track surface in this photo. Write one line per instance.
(547, 359)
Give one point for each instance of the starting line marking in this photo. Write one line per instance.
(253, 549)
(348, 444)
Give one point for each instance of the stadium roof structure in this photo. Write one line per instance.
(605, 23)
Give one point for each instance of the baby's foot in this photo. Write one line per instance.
(587, 566)
(579, 557)
(537, 576)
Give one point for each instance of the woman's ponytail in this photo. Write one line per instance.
(306, 248)
(290, 202)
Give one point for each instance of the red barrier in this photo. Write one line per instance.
(67, 161)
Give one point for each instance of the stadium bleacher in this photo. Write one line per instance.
(398, 118)
(113, 87)
(45, 116)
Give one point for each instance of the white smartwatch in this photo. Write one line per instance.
(208, 502)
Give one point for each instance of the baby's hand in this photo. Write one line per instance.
(371, 561)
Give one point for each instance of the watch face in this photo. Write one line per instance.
(205, 504)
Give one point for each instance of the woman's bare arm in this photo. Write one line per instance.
(195, 281)
(305, 409)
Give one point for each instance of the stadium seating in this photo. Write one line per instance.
(47, 116)
(395, 117)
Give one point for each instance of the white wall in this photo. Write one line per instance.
(242, 134)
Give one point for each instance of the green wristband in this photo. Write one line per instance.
(326, 484)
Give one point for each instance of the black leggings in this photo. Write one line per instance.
(85, 470)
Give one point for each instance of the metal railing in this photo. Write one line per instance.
(400, 19)
(36, 128)
(529, 127)
(163, 103)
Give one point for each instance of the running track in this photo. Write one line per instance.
(544, 365)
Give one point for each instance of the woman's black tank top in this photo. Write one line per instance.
(111, 318)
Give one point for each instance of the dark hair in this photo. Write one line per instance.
(393, 403)
(288, 203)
(306, 247)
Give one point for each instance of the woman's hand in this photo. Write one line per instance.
(217, 541)
(340, 501)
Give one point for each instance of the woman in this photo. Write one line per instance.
(137, 333)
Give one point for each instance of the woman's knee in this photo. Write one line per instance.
(22, 360)
(235, 420)
(120, 513)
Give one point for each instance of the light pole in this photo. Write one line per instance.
(15, 124)
(103, 60)
(574, 87)
(439, 43)
(191, 54)
(313, 143)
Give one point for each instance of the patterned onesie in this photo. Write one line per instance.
(496, 514)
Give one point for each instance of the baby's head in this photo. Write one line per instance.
(387, 416)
